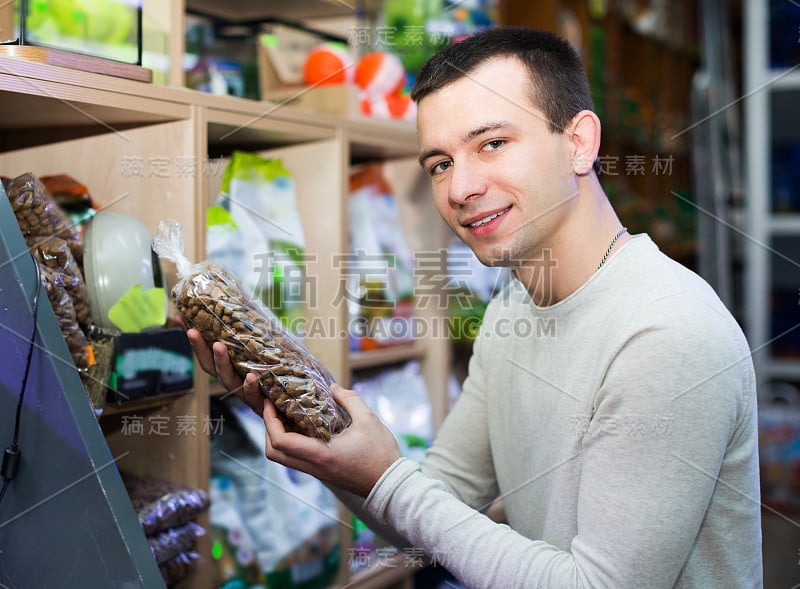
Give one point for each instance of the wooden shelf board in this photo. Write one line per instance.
(388, 355)
(39, 95)
(143, 404)
(247, 10)
(77, 61)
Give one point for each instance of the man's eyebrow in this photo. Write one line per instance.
(429, 153)
(470, 135)
(488, 128)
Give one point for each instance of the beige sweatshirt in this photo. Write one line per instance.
(619, 426)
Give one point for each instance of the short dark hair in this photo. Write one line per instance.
(558, 80)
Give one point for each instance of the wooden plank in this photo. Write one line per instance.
(78, 61)
(388, 355)
(244, 10)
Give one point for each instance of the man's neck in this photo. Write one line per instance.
(575, 249)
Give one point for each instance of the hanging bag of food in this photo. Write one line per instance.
(212, 300)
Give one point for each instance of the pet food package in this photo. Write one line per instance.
(171, 542)
(260, 197)
(55, 254)
(274, 526)
(161, 505)
(380, 284)
(64, 311)
(39, 215)
(176, 569)
(57, 247)
(212, 299)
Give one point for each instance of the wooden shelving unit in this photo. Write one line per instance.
(771, 84)
(139, 405)
(94, 127)
(91, 126)
(388, 355)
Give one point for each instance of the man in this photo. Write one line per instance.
(624, 445)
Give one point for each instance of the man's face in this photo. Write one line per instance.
(501, 179)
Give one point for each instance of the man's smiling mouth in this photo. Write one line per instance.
(488, 218)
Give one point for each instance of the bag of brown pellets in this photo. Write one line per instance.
(54, 254)
(38, 214)
(163, 505)
(64, 310)
(211, 299)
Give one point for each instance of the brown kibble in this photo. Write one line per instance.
(214, 303)
(205, 322)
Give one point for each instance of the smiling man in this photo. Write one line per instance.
(624, 444)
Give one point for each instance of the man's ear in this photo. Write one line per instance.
(584, 134)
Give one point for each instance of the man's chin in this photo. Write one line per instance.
(495, 259)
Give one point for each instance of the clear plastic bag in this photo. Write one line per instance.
(39, 215)
(64, 311)
(170, 543)
(178, 568)
(161, 505)
(212, 300)
(55, 254)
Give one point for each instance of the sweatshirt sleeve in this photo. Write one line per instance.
(642, 498)
(460, 457)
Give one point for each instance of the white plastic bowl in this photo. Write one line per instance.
(117, 256)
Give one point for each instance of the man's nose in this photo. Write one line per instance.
(467, 180)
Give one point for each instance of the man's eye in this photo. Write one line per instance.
(440, 167)
(493, 144)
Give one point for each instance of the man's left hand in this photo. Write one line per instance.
(353, 460)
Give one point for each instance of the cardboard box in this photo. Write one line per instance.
(337, 100)
(280, 77)
(150, 363)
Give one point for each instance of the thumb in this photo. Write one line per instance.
(351, 401)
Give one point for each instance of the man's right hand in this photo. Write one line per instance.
(214, 360)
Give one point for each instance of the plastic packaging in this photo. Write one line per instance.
(261, 198)
(380, 285)
(212, 300)
(95, 379)
(65, 315)
(271, 526)
(168, 544)
(177, 569)
(39, 215)
(161, 505)
(408, 415)
(55, 254)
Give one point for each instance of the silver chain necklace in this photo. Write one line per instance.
(611, 245)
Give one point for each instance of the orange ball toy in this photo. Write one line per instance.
(393, 106)
(380, 74)
(327, 65)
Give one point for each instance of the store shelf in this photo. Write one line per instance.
(784, 369)
(384, 356)
(785, 224)
(785, 79)
(141, 405)
(771, 271)
(247, 10)
(143, 149)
